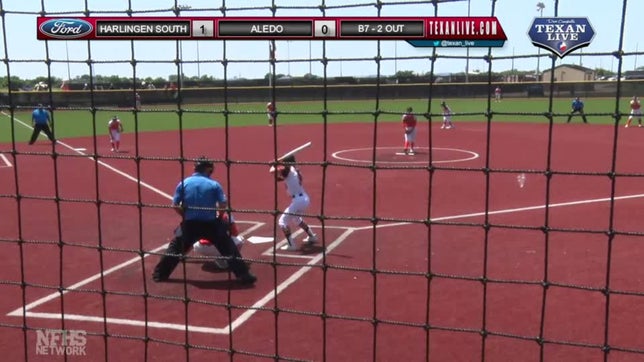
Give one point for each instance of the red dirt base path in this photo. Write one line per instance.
(365, 293)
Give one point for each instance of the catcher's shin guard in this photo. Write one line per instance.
(234, 231)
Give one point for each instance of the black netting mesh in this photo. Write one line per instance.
(83, 227)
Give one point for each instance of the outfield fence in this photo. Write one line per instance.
(236, 94)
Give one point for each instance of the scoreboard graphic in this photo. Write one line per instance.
(420, 32)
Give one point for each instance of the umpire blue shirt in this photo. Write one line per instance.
(198, 194)
(577, 105)
(40, 116)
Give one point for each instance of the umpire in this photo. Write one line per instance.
(41, 121)
(577, 107)
(196, 199)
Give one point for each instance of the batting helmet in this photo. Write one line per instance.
(288, 159)
(409, 109)
(202, 163)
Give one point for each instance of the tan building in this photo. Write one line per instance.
(569, 73)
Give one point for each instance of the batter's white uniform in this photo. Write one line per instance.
(447, 117)
(300, 200)
(447, 114)
(115, 130)
(411, 136)
(270, 111)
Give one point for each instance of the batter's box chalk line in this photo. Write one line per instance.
(27, 309)
(4, 161)
(258, 305)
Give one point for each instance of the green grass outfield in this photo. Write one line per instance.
(79, 123)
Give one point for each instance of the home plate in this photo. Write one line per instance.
(259, 239)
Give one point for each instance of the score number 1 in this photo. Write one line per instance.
(203, 28)
(324, 29)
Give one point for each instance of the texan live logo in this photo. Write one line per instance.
(561, 35)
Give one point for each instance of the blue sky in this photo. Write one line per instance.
(27, 53)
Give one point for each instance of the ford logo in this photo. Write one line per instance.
(66, 28)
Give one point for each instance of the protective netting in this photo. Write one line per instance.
(83, 226)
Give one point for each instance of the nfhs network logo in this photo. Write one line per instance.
(561, 35)
(66, 28)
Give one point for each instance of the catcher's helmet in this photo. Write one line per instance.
(202, 163)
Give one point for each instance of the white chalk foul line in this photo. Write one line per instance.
(106, 165)
(281, 287)
(225, 330)
(25, 309)
(131, 322)
(182, 327)
(52, 296)
(290, 280)
(508, 211)
(126, 322)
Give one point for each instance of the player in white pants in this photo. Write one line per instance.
(447, 116)
(409, 123)
(636, 112)
(497, 94)
(271, 113)
(115, 128)
(300, 201)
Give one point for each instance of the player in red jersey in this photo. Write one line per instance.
(497, 94)
(636, 111)
(271, 113)
(409, 122)
(115, 128)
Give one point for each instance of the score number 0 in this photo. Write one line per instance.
(324, 28)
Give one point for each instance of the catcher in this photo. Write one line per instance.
(286, 171)
(204, 247)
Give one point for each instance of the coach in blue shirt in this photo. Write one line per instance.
(577, 107)
(198, 199)
(41, 121)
